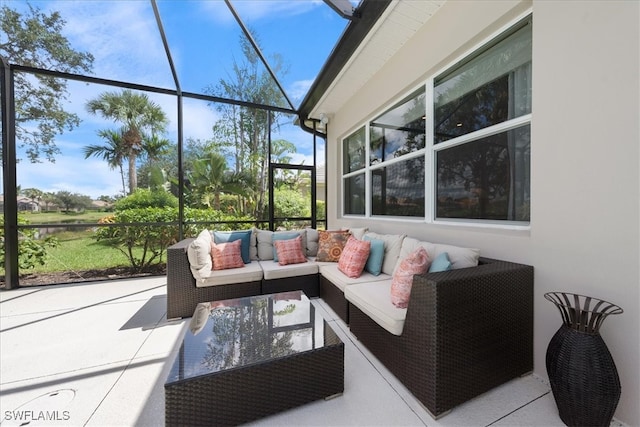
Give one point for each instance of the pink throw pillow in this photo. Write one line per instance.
(417, 262)
(289, 251)
(354, 257)
(227, 255)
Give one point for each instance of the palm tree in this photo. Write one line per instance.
(208, 178)
(155, 147)
(138, 115)
(113, 152)
(34, 194)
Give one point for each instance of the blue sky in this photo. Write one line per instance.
(203, 37)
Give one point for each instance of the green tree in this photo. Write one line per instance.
(142, 120)
(153, 173)
(34, 194)
(155, 147)
(49, 199)
(35, 39)
(208, 179)
(72, 201)
(243, 132)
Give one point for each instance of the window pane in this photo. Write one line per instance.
(354, 201)
(353, 151)
(398, 190)
(487, 178)
(491, 88)
(399, 131)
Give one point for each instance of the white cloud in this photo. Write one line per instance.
(307, 159)
(122, 36)
(255, 10)
(90, 177)
(298, 89)
(198, 120)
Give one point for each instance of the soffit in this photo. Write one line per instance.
(400, 21)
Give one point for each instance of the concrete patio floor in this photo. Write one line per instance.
(98, 354)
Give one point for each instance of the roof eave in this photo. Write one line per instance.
(369, 12)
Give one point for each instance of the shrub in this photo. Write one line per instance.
(151, 239)
(320, 209)
(212, 219)
(143, 198)
(31, 251)
(291, 204)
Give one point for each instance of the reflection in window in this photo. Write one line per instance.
(353, 154)
(354, 196)
(489, 89)
(400, 130)
(398, 189)
(486, 179)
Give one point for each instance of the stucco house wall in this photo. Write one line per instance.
(585, 183)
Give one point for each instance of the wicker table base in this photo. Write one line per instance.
(229, 373)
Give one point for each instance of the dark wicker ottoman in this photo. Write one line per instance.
(248, 358)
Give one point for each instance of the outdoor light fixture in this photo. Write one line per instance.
(324, 119)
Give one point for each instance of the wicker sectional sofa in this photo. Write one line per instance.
(186, 286)
(464, 332)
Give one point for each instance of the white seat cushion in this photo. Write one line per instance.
(249, 273)
(374, 300)
(273, 270)
(330, 271)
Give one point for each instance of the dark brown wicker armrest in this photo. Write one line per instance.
(182, 293)
(467, 331)
(180, 281)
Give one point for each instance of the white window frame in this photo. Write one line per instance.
(430, 149)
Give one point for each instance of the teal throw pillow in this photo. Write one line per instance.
(376, 256)
(282, 236)
(441, 263)
(230, 236)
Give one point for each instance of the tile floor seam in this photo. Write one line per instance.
(63, 372)
(80, 370)
(357, 345)
(131, 360)
(86, 307)
(19, 296)
(518, 408)
(31, 313)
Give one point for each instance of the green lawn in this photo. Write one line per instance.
(78, 251)
(63, 217)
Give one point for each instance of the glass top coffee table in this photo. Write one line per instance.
(247, 358)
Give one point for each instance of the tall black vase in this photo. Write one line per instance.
(583, 376)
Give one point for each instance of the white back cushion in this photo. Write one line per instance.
(199, 255)
(459, 257)
(392, 247)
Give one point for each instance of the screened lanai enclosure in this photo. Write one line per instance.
(129, 125)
